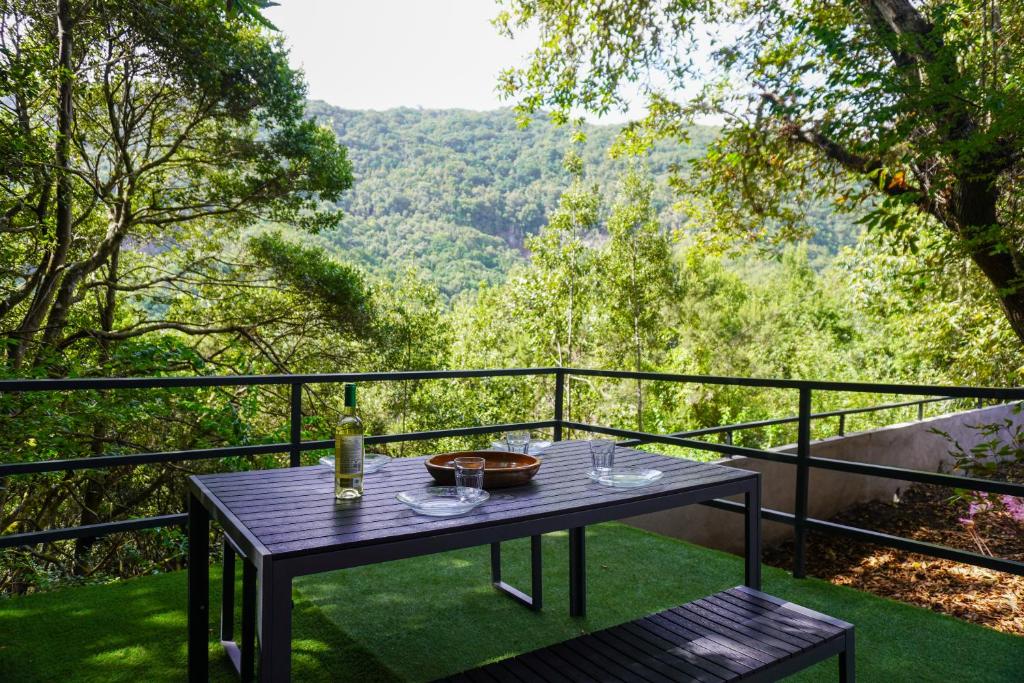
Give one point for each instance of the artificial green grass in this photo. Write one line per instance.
(426, 617)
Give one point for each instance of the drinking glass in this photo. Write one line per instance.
(469, 477)
(518, 441)
(602, 455)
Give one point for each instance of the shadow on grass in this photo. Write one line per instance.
(433, 616)
(427, 617)
(135, 631)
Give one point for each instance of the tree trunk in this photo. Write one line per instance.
(95, 486)
(972, 205)
(53, 262)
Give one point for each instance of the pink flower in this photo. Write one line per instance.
(975, 508)
(1015, 506)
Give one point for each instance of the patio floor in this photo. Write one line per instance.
(415, 620)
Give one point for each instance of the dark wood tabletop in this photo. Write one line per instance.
(286, 523)
(293, 511)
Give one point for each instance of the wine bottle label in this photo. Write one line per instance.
(349, 454)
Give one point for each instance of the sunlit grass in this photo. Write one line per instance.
(426, 617)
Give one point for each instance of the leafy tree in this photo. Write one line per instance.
(636, 281)
(914, 106)
(135, 140)
(153, 126)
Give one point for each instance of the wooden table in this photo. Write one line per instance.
(287, 524)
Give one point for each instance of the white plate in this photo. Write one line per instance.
(371, 462)
(625, 477)
(535, 446)
(441, 501)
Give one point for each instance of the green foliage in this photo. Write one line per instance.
(461, 192)
(636, 277)
(338, 289)
(903, 107)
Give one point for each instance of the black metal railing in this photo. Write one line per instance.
(802, 460)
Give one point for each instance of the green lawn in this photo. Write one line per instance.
(419, 619)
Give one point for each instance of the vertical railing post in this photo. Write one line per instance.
(920, 411)
(559, 402)
(842, 424)
(296, 425)
(980, 403)
(803, 453)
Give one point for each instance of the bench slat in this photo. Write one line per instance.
(733, 635)
(625, 641)
(586, 646)
(727, 611)
(583, 668)
(763, 641)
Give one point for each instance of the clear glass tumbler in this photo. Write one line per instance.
(518, 441)
(602, 455)
(469, 477)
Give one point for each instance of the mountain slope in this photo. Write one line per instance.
(456, 192)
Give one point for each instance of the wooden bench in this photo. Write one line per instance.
(737, 635)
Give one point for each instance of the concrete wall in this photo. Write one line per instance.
(910, 445)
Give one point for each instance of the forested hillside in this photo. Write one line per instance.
(176, 223)
(456, 192)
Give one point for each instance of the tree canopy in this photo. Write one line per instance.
(156, 126)
(915, 106)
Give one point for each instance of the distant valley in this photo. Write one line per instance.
(455, 193)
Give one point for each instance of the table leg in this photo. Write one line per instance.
(535, 600)
(752, 535)
(275, 623)
(577, 572)
(227, 592)
(247, 647)
(198, 591)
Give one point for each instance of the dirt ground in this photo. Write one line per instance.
(925, 513)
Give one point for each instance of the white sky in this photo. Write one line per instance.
(380, 54)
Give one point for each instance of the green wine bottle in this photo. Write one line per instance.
(348, 450)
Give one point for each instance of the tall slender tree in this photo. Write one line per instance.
(636, 277)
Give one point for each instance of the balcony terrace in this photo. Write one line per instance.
(379, 621)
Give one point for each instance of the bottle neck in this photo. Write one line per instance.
(348, 410)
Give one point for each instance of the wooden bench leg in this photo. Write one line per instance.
(847, 657)
(535, 600)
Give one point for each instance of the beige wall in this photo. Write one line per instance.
(909, 445)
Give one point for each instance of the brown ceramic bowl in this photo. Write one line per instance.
(501, 469)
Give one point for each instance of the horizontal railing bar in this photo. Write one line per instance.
(883, 406)
(921, 547)
(1006, 393)
(766, 513)
(919, 476)
(96, 383)
(645, 437)
(883, 539)
(718, 429)
(91, 530)
(868, 469)
(105, 461)
(65, 533)
(460, 431)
